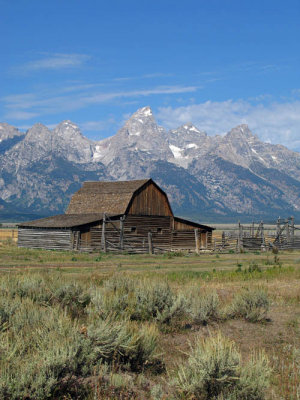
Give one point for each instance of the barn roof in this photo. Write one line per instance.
(104, 197)
(194, 224)
(62, 221)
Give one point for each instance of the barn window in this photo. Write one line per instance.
(159, 230)
(133, 229)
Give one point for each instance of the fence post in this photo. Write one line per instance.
(278, 227)
(122, 233)
(287, 230)
(103, 237)
(239, 238)
(292, 229)
(262, 232)
(197, 240)
(223, 240)
(150, 244)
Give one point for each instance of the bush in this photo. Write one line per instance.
(40, 353)
(156, 301)
(121, 342)
(253, 267)
(44, 353)
(107, 304)
(71, 297)
(204, 307)
(214, 371)
(252, 305)
(8, 306)
(119, 283)
(142, 301)
(26, 286)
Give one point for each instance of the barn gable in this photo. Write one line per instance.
(138, 197)
(135, 216)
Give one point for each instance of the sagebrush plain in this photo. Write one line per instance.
(172, 326)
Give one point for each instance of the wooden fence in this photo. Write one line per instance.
(283, 235)
(118, 236)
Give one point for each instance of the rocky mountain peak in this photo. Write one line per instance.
(38, 132)
(144, 111)
(140, 121)
(241, 132)
(234, 173)
(67, 129)
(68, 139)
(8, 131)
(189, 129)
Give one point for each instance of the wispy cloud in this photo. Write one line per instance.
(44, 104)
(145, 76)
(275, 122)
(20, 115)
(54, 62)
(97, 126)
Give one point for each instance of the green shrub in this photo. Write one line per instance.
(253, 267)
(173, 254)
(252, 305)
(106, 304)
(40, 353)
(239, 267)
(120, 283)
(138, 301)
(157, 301)
(27, 286)
(71, 297)
(204, 307)
(214, 371)
(121, 342)
(8, 306)
(44, 353)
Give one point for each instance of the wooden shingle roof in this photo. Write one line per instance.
(62, 221)
(104, 197)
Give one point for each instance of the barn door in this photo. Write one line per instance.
(75, 240)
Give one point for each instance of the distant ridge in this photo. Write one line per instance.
(209, 178)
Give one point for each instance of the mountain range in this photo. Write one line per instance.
(209, 178)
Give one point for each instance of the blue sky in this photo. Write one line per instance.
(213, 63)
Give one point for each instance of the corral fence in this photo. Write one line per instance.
(282, 235)
(159, 237)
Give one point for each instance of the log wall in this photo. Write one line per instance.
(135, 236)
(50, 239)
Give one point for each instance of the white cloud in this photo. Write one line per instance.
(276, 122)
(55, 61)
(20, 115)
(44, 104)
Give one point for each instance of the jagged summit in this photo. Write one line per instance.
(188, 128)
(69, 124)
(8, 132)
(220, 175)
(145, 111)
(241, 131)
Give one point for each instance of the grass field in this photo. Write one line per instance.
(91, 326)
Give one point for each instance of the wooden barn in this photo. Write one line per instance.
(133, 216)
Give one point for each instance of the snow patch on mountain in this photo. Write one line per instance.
(192, 146)
(176, 151)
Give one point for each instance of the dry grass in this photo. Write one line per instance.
(278, 336)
